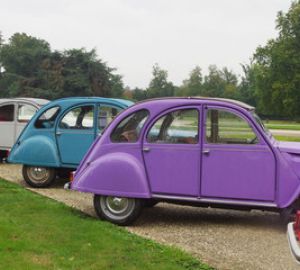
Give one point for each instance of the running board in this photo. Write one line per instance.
(214, 201)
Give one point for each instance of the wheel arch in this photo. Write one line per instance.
(114, 174)
(36, 150)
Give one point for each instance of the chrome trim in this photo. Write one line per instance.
(217, 201)
(293, 243)
(67, 186)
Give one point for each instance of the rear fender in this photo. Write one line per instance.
(36, 150)
(113, 174)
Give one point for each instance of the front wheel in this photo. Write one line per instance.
(118, 210)
(38, 177)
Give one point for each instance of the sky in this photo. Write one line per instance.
(133, 35)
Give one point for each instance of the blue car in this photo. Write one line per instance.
(59, 135)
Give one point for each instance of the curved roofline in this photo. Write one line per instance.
(36, 101)
(231, 101)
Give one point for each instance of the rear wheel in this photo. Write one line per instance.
(39, 177)
(118, 210)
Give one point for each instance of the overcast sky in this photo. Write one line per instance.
(132, 35)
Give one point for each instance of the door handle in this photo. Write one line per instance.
(146, 149)
(206, 152)
(58, 133)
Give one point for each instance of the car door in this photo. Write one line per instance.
(7, 125)
(75, 133)
(171, 150)
(24, 113)
(237, 163)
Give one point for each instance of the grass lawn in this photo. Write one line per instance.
(40, 233)
(287, 138)
(282, 124)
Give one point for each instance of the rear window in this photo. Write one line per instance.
(128, 130)
(47, 119)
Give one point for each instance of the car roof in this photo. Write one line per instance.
(37, 101)
(203, 100)
(74, 100)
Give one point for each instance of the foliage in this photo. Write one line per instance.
(159, 85)
(32, 69)
(270, 82)
(277, 68)
(39, 233)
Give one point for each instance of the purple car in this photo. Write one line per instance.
(204, 152)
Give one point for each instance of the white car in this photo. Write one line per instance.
(15, 113)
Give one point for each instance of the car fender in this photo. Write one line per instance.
(117, 174)
(36, 151)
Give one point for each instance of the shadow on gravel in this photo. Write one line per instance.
(166, 214)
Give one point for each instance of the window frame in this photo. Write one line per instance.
(14, 111)
(18, 110)
(66, 111)
(236, 113)
(98, 109)
(141, 134)
(42, 113)
(170, 110)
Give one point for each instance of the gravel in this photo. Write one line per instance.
(224, 239)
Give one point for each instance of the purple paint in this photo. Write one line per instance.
(208, 166)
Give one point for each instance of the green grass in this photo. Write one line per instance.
(40, 233)
(287, 138)
(282, 124)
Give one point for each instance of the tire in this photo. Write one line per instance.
(38, 177)
(117, 210)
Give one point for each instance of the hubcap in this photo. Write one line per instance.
(38, 174)
(116, 207)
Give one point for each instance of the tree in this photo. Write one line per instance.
(246, 89)
(277, 67)
(32, 69)
(193, 85)
(159, 85)
(139, 94)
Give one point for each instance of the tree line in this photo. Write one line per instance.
(271, 81)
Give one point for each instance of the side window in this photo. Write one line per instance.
(105, 116)
(224, 127)
(7, 113)
(176, 127)
(47, 119)
(25, 112)
(79, 118)
(128, 130)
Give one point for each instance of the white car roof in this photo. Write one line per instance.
(37, 101)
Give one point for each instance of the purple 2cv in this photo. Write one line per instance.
(197, 151)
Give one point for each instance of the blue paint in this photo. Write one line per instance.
(55, 146)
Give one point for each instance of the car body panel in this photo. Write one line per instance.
(258, 174)
(10, 124)
(64, 151)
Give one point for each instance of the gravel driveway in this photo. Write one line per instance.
(224, 239)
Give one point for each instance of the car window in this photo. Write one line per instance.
(47, 119)
(105, 115)
(128, 130)
(7, 113)
(224, 127)
(177, 127)
(79, 118)
(25, 112)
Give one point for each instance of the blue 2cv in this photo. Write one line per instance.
(59, 135)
